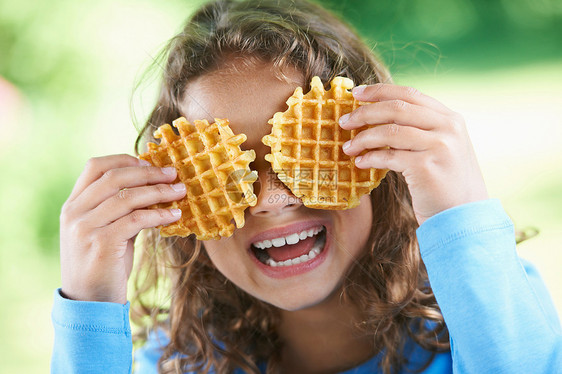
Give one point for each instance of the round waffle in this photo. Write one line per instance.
(306, 148)
(215, 171)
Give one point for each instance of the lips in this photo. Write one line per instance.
(290, 250)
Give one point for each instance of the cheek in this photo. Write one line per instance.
(356, 225)
(227, 259)
(233, 265)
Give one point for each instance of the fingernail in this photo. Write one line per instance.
(358, 159)
(344, 119)
(358, 90)
(168, 170)
(176, 212)
(144, 163)
(178, 187)
(346, 145)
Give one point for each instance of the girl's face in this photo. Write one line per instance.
(257, 258)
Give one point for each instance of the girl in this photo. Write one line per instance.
(367, 303)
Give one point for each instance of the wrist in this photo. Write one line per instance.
(94, 296)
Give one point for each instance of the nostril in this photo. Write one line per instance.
(293, 202)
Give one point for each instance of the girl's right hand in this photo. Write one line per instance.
(98, 224)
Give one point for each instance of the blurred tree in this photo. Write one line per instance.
(467, 34)
(41, 53)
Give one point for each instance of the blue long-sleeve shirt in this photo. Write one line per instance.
(500, 316)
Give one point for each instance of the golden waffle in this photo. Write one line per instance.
(215, 171)
(306, 148)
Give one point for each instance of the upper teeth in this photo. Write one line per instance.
(289, 239)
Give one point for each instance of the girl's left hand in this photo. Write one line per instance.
(427, 142)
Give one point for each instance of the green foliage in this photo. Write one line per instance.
(43, 54)
(421, 35)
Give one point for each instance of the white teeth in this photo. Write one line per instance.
(278, 242)
(263, 245)
(289, 239)
(292, 239)
(315, 251)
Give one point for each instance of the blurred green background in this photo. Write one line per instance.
(67, 70)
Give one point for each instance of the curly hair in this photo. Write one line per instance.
(210, 322)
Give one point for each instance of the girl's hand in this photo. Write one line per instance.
(427, 142)
(101, 218)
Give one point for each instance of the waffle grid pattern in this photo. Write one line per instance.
(215, 171)
(306, 143)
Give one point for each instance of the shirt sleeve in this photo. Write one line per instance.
(90, 337)
(500, 317)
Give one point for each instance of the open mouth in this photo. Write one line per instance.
(294, 249)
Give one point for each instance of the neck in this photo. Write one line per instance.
(323, 338)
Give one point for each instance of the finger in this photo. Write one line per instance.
(131, 224)
(384, 92)
(393, 111)
(97, 166)
(114, 180)
(391, 135)
(129, 200)
(393, 159)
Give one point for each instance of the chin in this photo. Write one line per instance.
(300, 297)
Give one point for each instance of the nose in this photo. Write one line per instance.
(274, 198)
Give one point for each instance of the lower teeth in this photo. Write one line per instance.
(315, 251)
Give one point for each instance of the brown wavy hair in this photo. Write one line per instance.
(210, 322)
